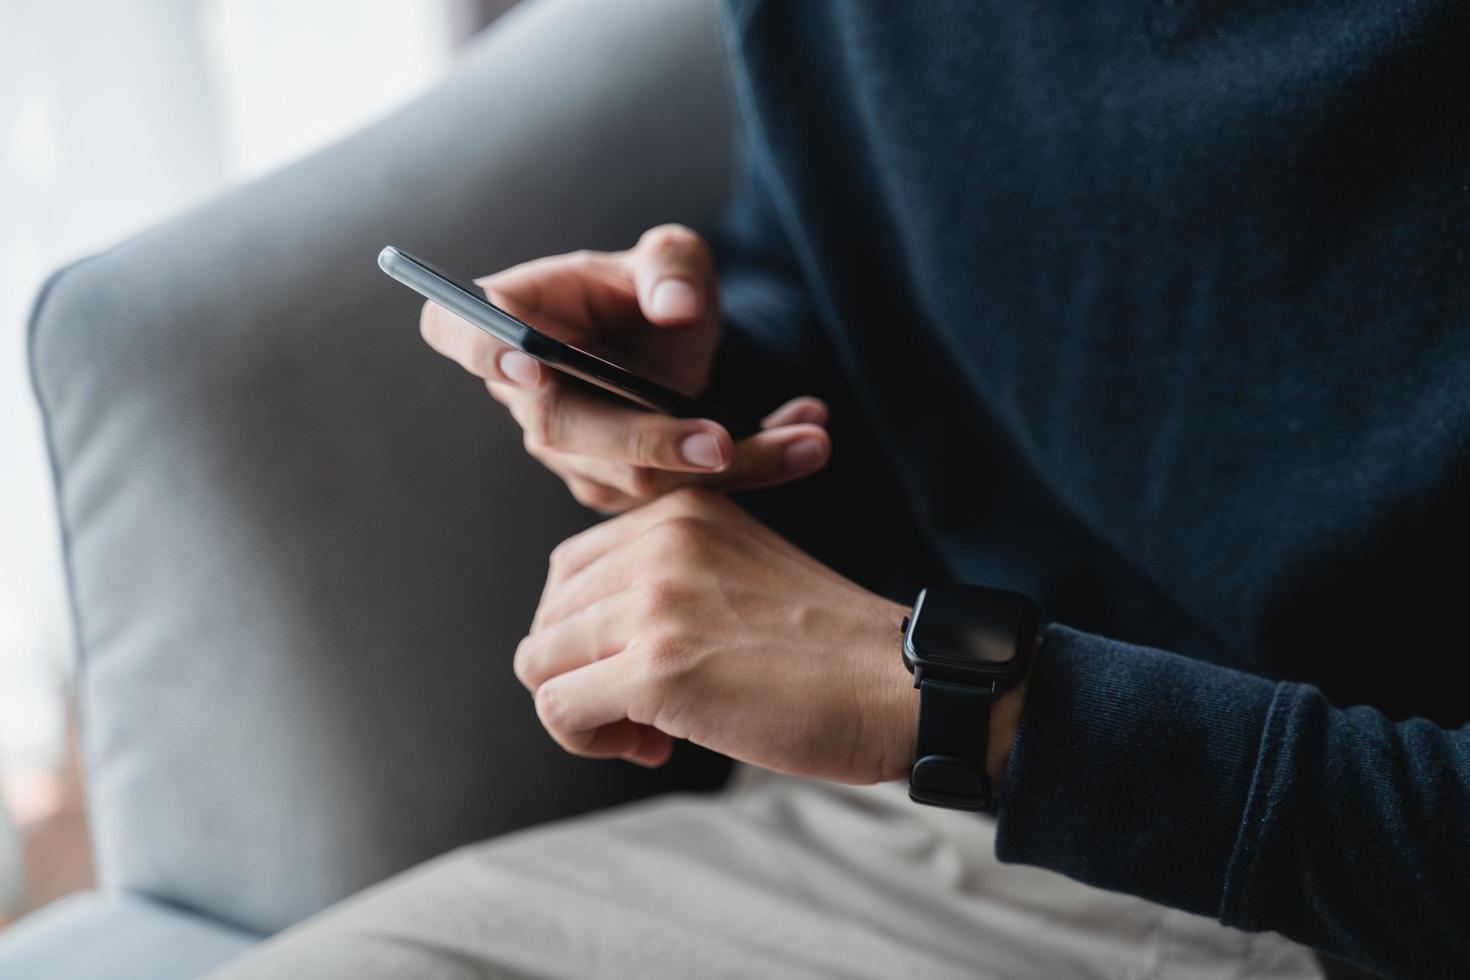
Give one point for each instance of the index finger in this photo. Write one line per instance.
(574, 291)
(567, 296)
(477, 351)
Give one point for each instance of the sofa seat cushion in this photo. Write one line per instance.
(121, 936)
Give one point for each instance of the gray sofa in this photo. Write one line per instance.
(302, 547)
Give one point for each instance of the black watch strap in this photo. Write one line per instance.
(954, 731)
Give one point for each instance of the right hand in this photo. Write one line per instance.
(656, 302)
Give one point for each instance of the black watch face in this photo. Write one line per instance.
(973, 627)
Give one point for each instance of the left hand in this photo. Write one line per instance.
(687, 618)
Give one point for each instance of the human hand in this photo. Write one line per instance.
(655, 303)
(688, 618)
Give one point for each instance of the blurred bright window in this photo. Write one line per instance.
(114, 114)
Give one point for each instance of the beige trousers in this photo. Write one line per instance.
(773, 877)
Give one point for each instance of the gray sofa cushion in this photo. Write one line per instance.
(92, 935)
(301, 546)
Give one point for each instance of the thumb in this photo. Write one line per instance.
(674, 275)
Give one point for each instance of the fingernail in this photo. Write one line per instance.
(521, 369)
(673, 299)
(701, 449)
(805, 454)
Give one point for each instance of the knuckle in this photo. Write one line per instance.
(670, 238)
(593, 495)
(561, 556)
(662, 656)
(549, 612)
(551, 707)
(518, 411)
(584, 493)
(681, 533)
(661, 599)
(692, 500)
(643, 444)
(520, 664)
(542, 456)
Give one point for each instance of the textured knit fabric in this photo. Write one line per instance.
(1160, 311)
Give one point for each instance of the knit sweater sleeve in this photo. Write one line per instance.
(1256, 802)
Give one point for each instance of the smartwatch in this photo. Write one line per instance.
(965, 645)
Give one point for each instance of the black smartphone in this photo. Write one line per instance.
(467, 300)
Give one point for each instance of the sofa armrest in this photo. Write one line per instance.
(301, 547)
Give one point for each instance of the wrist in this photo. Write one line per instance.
(896, 699)
(1005, 720)
(899, 709)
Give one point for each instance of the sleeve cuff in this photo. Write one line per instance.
(1131, 768)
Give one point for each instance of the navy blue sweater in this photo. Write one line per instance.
(1160, 311)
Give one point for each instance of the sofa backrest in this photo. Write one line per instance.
(301, 546)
